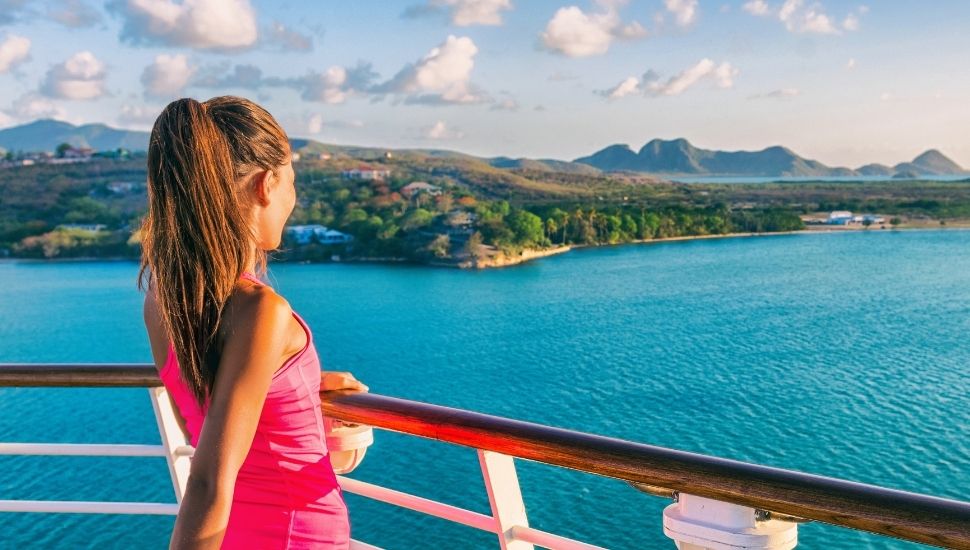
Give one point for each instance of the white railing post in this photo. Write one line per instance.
(698, 523)
(178, 452)
(504, 496)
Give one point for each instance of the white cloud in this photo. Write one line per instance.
(304, 124)
(465, 13)
(783, 93)
(441, 76)
(631, 31)
(74, 14)
(685, 11)
(850, 23)
(13, 51)
(850, 64)
(815, 21)
(80, 77)
(219, 76)
(33, 106)
(723, 74)
(440, 131)
(756, 7)
(788, 9)
(308, 123)
(507, 104)
(201, 24)
(628, 87)
(331, 86)
(799, 18)
(335, 85)
(575, 33)
(138, 116)
(286, 39)
(167, 76)
(561, 76)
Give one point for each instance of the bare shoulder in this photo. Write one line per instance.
(255, 307)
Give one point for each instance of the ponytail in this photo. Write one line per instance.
(197, 239)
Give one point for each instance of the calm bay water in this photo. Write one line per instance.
(809, 179)
(842, 354)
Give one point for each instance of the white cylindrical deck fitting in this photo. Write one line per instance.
(698, 523)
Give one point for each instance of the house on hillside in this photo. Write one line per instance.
(121, 187)
(417, 187)
(85, 227)
(306, 234)
(364, 172)
(78, 152)
(332, 236)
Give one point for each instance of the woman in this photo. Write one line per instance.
(229, 349)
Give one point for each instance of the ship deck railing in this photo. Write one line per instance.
(717, 501)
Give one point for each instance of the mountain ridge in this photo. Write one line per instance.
(657, 156)
(679, 157)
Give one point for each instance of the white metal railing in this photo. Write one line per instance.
(508, 520)
(719, 503)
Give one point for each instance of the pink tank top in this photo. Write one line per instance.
(286, 493)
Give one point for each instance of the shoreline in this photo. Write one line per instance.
(528, 254)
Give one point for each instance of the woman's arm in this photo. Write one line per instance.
(254, 346)
(339, 380)
(158, 340)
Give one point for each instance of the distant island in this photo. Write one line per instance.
(679, 157)
(70, 200)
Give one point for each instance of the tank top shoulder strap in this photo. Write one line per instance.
(252, 277)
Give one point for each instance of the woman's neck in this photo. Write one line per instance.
(250, 266)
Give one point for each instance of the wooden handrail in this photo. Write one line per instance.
(900, 514)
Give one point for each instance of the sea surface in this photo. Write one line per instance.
(838, 354)
(810, 179)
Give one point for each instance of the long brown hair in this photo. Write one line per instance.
(196, 237)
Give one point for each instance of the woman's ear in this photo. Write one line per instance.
(261, 186)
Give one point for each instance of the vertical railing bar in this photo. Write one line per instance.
(505, 498)
(173, 439)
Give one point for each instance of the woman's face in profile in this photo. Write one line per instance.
(281, 197)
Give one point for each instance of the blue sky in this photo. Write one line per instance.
(846, 83)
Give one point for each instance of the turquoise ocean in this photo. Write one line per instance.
(840, 354)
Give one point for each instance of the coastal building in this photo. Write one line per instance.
(332, 236)
(119, 153)
(461, 219)
(364, 172)
(844, 217)
(78, 152)
(417, 187)
(86, 227)
(121, 187)
(295, 157)
(306, 234)
(840, 217)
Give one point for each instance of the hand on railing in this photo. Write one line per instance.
(332, 380)
(346, 441)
